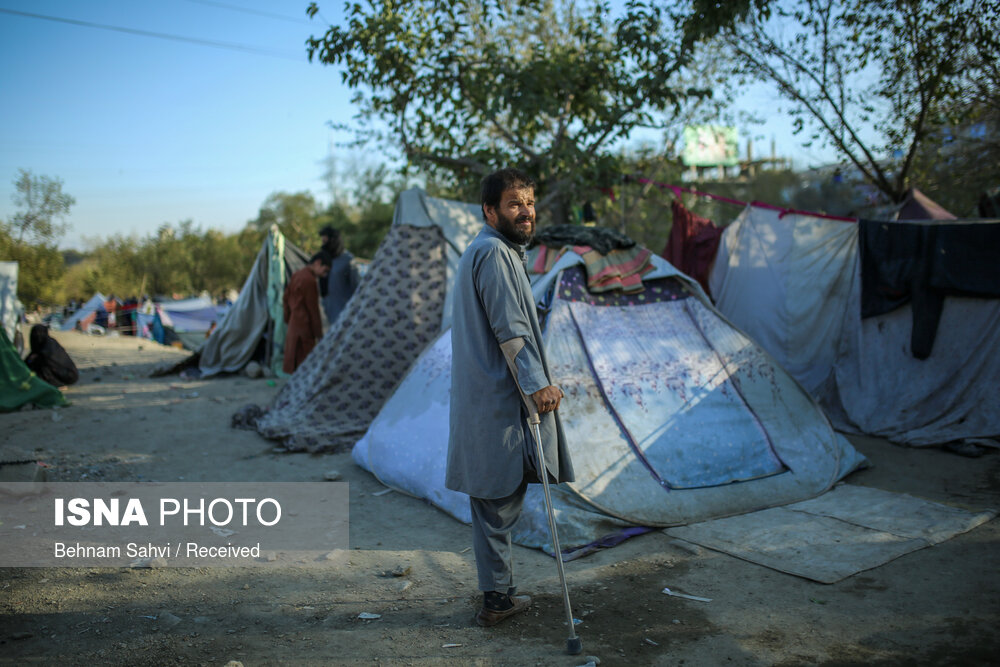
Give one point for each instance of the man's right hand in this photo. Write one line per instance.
(547, 399)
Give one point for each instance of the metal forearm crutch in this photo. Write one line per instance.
(510, 349)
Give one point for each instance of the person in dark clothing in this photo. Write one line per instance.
(49, 360)
(336, 289)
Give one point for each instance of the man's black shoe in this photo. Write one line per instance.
(488, 616)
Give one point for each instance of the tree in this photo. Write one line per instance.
(31, 236)
(295, 214)
(43, 203)
(900, 67)
(464, 87)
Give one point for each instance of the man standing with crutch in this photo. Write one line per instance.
(491, 454)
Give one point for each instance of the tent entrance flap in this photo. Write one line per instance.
(676, 385)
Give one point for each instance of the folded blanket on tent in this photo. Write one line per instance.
(616, 270)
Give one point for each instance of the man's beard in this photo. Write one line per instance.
(508, 227)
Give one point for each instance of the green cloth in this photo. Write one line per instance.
(18, 385)
(276, 297)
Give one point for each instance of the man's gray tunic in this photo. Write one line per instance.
(493, 304)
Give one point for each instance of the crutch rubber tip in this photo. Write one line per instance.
(574, 646)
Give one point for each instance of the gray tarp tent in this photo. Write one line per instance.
(257, 311)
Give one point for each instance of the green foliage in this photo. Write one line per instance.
(180, 260)
(956, 165)
(364, 224)
(466, 87)
(295, 214)
(31, 236)
(183, 259)
(40, 268)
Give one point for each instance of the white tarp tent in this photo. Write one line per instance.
(792, 283)
(8, 298)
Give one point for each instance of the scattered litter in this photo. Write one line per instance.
(465, 550)
(331, 475)
(577, 621)
(382, 492)
(223, 532)
(686, 596)
(368, 616)
(450, 645)
(650, 641)
(153, 618)
(169, 619)
(398, 571)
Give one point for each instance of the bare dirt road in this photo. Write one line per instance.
(935, 606)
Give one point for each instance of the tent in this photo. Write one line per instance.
(400, 305)
(255, 316)
(186, 321)
(86, 313)
(18, 385)
(10, 306)
(793, 284)
(672, 416)
(256, 313)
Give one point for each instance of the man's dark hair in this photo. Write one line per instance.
(323, 256)
(494, 184)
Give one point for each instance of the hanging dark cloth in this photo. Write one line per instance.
(49, 360)
(922, 264)
(692, 244)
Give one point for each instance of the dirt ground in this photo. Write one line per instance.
(935, 606)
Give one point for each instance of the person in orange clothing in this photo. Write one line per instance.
(301, 310)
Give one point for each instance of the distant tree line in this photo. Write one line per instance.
(178, 258)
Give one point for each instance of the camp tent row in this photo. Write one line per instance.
(793, 283)
(672, 414)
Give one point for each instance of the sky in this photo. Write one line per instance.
(161, 112)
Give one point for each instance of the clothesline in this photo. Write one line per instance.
(677, 189)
